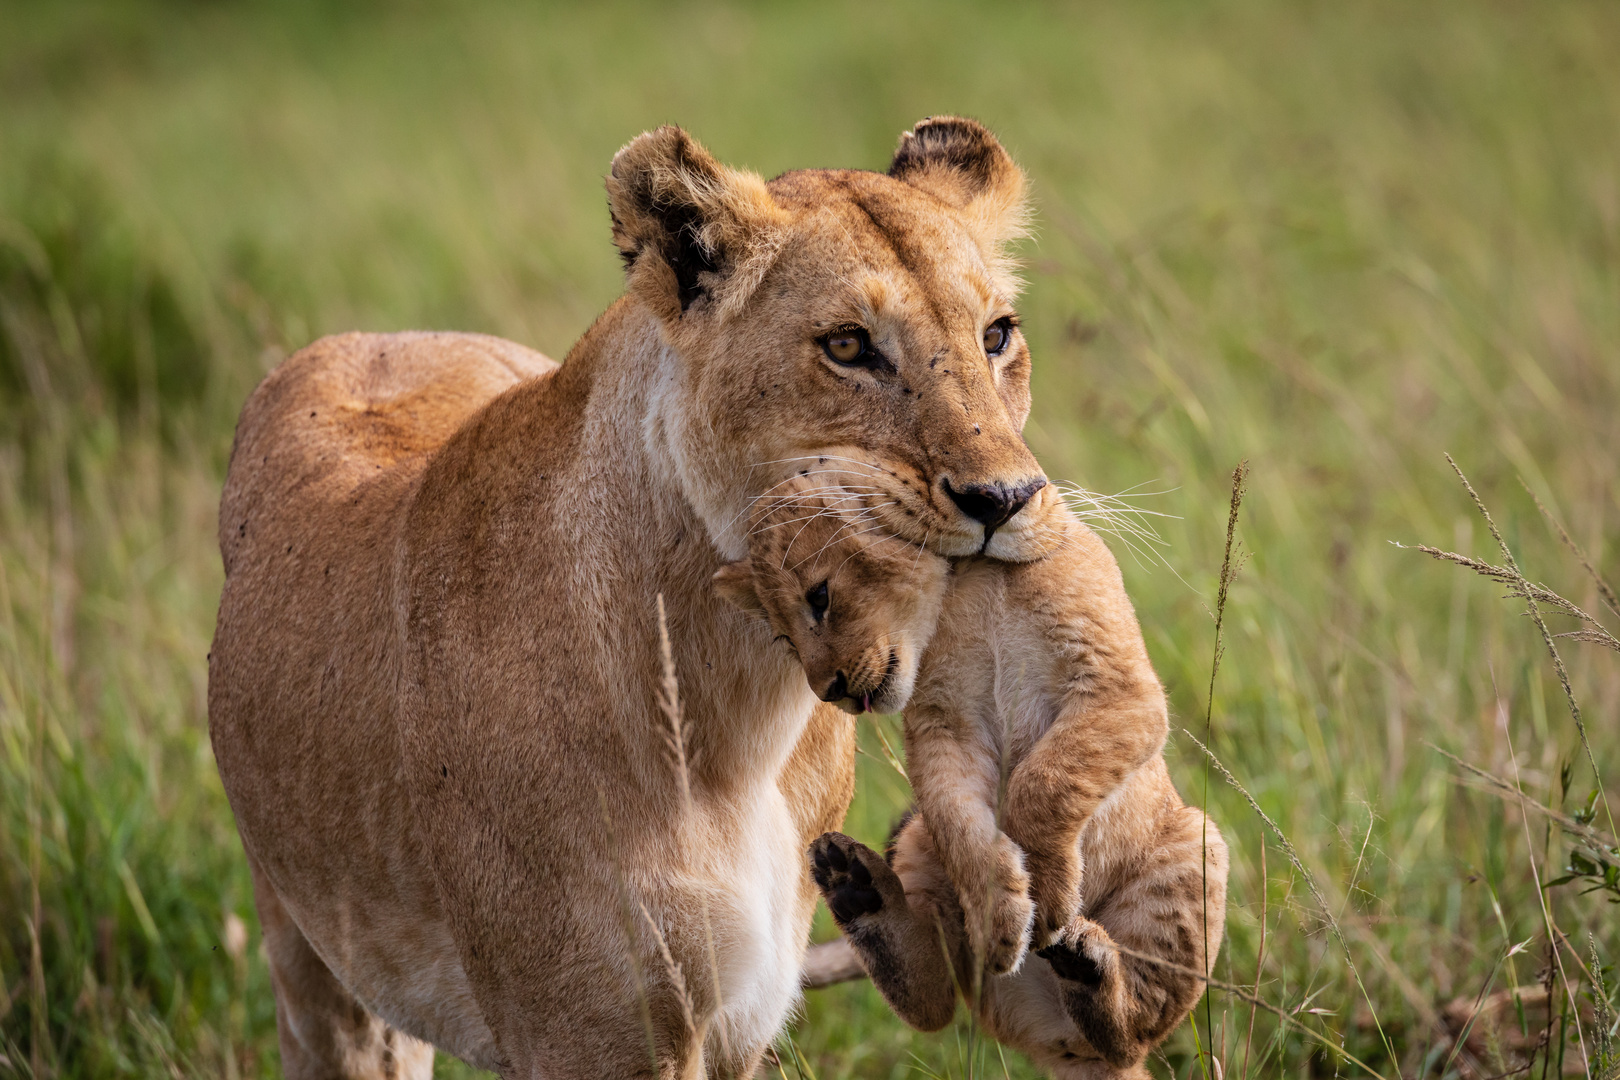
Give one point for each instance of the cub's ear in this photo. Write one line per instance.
(689, 228)
(959, 162)
(734, 582)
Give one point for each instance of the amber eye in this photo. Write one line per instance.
(852, 347)
(996, 337)
(818, 599)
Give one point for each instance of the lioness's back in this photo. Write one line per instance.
(348, 407)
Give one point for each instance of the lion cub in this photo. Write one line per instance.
(1033, 704)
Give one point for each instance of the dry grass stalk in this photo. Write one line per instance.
(1592, 846)
(1231, 562)
(1594, 631)
(1260, 957)
(669, 703)
(1605, 590)
(1598, 843)
(672, 970)
(627, 920)
(1527, 591)
(1607, 1048)
(1254, 1000)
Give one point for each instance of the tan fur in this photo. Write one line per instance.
(1036, 701)
(1149, 859)
(1035, 706)
(883, 594)
(434, 685)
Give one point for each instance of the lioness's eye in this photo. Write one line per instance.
(817, 599)
(997, 335)
(852, 347)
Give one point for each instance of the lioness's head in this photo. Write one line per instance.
(856, 605)
(854, 321)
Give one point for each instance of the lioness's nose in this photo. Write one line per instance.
(992, 504)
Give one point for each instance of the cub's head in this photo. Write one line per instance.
(842, 320)
(856, 605)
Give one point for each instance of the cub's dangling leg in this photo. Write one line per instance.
(1126, 1006)
(897, 936)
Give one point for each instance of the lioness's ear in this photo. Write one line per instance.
(734, 582)
(959, 162)
(687, 226)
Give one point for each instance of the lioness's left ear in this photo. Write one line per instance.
(688, 227)
(959, 162)
(734, 582)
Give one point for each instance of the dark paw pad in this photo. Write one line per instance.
(1072, 965)
(844, 881)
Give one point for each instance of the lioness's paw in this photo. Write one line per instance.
(853, 878)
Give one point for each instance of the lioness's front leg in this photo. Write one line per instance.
(324, 1032)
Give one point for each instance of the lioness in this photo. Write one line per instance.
(435, 682)
(1033, 730)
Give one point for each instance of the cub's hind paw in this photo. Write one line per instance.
(1083, 953)
(1092, 987)
(851, 876)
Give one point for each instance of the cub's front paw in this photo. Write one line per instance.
(853, 879)
(999, 912)
(1054, 886)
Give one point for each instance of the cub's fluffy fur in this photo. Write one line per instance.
(1034, 732)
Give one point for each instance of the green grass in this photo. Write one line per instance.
(1336, 240)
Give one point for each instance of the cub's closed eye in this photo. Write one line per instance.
(818, 599)
(998, 335)
(851, 346)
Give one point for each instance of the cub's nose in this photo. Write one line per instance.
(991, 505)
(837, 690)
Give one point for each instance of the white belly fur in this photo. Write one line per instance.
(766, 932)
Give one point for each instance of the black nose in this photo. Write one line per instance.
(992, 504)
(838, 690)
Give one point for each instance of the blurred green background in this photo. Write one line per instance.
(1334, 239)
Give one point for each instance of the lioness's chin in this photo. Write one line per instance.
(1033, 533)
(1019, 545)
